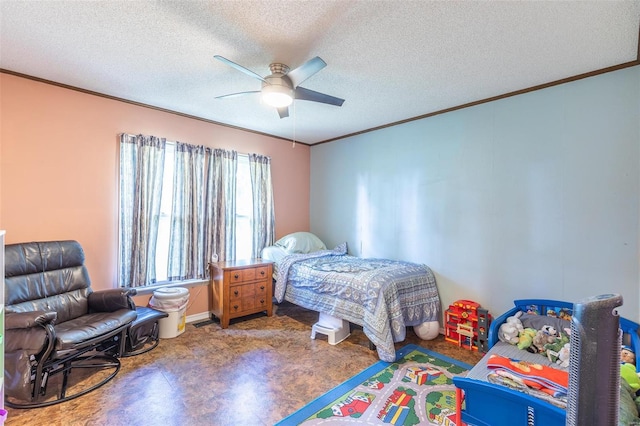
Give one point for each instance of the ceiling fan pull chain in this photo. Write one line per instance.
(294, 126)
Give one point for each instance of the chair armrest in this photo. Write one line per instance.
(18, 320)
(30, 332)
(111, 300)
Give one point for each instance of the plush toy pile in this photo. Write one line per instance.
(548, 336)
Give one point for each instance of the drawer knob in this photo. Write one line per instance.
(261, 272)
(261, 287)
(235, 293)
(262, 301)
(235, 307)
(236, 276)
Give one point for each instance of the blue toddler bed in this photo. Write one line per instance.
(487, 403)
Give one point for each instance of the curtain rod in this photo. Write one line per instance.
(173, 142)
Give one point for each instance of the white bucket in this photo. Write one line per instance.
(173, 301)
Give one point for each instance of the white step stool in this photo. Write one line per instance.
(335, 329)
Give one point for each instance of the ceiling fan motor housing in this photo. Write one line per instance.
(277, 89)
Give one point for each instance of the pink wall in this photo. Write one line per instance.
(59, 166)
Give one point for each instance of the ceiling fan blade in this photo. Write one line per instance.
(239, 67)
(233, 95)
(283, 112)
(306, 70)
(309, 95)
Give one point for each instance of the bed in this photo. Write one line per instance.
(381, 295)
(490, 403)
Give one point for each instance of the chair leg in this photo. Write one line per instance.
(41, 376)
(65, 379)
(43, 384)
(37, 382)
(123, 341)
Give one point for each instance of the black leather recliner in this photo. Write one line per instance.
(55, 322)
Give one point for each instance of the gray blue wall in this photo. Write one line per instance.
(533, 196)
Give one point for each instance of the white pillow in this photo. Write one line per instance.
(273, 253)
(300, 242)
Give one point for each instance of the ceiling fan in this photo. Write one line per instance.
(282, 86)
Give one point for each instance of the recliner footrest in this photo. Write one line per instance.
(142, 335)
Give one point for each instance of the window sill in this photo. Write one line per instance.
(186, 284)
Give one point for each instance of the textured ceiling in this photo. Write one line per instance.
(390, 60)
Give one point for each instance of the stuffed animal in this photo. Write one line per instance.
(526, 338)
(628, 373)
(547, 334)
(559, 350)
(627, 355)
(509, 331)
(564, 355)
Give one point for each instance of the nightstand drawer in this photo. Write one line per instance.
(247, 297)
(250, 274)
(240, 291)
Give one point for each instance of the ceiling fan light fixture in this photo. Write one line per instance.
(277, 96)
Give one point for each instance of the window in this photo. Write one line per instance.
(244, 211)
(180, 204)
(164, 220)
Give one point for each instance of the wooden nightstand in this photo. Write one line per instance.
(241, 287)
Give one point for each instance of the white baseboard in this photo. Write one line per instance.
(198, 317)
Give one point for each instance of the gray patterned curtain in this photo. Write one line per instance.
(263, 224)
(225, 167)
(141, 172)
(187, 249)
(203, 210)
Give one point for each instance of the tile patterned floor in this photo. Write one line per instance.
(255, 372)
